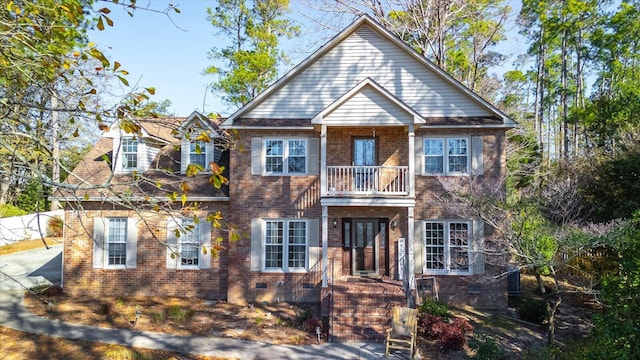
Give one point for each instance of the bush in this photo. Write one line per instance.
(54, 226)
(533, 310)
(434, 308)
(486, 348)
(7, 210)
(449, 335)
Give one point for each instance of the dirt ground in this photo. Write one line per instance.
(277, 323)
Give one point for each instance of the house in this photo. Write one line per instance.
(333, 186)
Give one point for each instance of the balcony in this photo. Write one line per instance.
(367, 180)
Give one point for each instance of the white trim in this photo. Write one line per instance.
(106, 243)
(445, 156)
(285, 251)
(319, 118)
(355, 201)
(465, 126)
(285, 156)
(447, 247)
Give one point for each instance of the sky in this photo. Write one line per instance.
(170, 53)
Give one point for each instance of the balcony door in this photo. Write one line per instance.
(364, 159)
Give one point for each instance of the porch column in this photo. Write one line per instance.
(412, 161)
(323, 161)
(410, 253)
(325, 246)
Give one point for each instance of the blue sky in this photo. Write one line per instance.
(171, 53)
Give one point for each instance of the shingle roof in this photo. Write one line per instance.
(94, 179)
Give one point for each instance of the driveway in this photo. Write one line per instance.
(30, 268)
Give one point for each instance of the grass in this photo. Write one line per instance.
(17, 345)
(24, 245)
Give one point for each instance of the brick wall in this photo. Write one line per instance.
(268, 197)
(150, 277)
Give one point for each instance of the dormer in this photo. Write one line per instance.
(198, 138)
(134, 152)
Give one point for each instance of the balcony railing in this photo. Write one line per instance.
(367, 180)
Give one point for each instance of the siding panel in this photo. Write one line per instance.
(366, 54)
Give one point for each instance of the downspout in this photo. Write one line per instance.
(411, 277)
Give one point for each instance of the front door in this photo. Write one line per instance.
(365, 243)
(364, 246)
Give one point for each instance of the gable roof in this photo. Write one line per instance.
(193, 118)
(359, 89)
(365, 21)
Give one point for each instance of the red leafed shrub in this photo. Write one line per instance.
(451, 338)
(428, 325)
(463, 324)
(449, 335)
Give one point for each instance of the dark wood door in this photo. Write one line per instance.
(365, 244)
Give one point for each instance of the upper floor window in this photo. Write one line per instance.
(198, 153)
(285, 245)
(447, 246)
(284, 156)
(129, 153)
(446, 156)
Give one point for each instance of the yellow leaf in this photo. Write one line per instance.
(151, 90)
(76, 53)
(100, 24)
(92, 44)
(183, 198)
(75, 133)
(104, 10)
(184, 187)
(116, 65)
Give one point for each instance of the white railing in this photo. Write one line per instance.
(371, 180)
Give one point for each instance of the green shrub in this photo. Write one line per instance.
(434, 308)
(486, 348)
(54, 226)
(7, 210)
(533, 310)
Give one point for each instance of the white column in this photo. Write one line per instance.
(412, 161)
(325, 246)
(323, 160)
(410, 244)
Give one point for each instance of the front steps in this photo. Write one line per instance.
(359, 309)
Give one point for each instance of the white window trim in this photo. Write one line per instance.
(447, 253)
(106, 244)
(285, 160)
(123, 153)
(184, 233)
(445, 156)
(203, 151)
(285, 247)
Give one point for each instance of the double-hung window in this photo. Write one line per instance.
(447, 247)
(116, 242)
(129, 153)
(190, 243)
(285, 156)
(285, 245)
(198, 153)
(446, 156)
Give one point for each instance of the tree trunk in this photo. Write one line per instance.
(552, 302)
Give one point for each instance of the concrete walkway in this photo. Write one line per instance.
(13, 315)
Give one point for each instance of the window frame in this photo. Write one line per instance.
(187, 236)
(446, 156)
(447, 247)
(107, 242)
(285, 156)
(202, 145)
(124, 145)
(285, 246)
